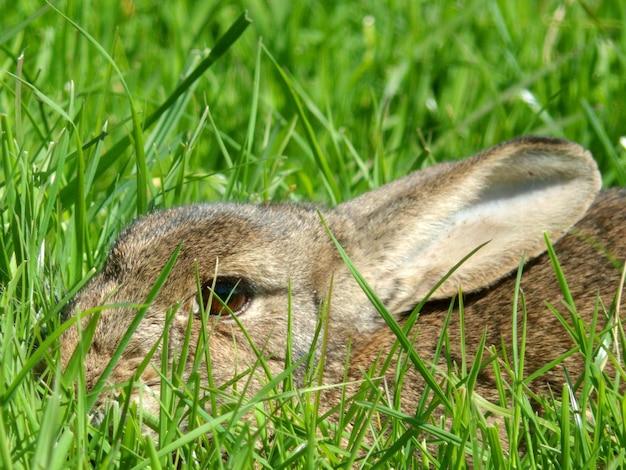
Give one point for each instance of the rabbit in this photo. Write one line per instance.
(403, 238)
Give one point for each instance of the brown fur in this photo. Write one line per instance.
(403, 238)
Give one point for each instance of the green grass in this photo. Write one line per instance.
(103, 117)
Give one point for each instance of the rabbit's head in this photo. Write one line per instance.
(273, 263)
(260, 261)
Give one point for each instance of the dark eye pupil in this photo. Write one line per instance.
(224, 292)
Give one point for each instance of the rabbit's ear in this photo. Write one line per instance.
(405, 236)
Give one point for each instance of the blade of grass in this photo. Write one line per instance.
(221, 46)
(137, 138)
(609, 149)
(320, 158)
(5, 444)
(397, 330)
(241, 172)
(80, 231)
(565, 422)
(154, 291)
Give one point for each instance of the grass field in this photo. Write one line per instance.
(110, 109)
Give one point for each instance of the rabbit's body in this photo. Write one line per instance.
(592, 275)
(403, 238)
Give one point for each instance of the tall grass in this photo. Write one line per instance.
(111, 109)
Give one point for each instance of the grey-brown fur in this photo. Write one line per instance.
(403, 238)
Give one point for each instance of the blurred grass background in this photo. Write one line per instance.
(371, 90)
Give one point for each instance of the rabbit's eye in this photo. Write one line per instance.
(229, 292)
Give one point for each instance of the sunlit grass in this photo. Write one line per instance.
(108, 111)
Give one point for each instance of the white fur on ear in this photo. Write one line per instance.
(410, 233)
